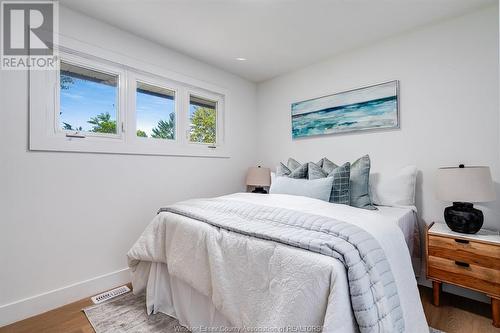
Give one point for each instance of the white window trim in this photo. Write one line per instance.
(121, 92)
(45, 132)
(219, 113)
(131, 114)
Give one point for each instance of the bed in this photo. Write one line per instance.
(214, 279)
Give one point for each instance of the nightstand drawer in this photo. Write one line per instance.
(471, 252)
(465, 274)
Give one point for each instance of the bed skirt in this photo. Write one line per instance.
(171, 296)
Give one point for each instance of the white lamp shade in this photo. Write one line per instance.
(258, 176)
(468, 184)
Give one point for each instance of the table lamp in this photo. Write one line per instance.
(464, 185)
(259, 177)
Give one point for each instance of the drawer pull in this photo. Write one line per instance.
(463, 241)
(463, 264)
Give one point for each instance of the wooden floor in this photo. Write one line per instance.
(69, 318)
(455, 315)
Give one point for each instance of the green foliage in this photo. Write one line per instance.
(165, 129)
(141, 133)
(103, 123)
(203, 125)
(69, 127)
(66, 81)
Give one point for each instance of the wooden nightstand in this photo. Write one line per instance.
(470, 261)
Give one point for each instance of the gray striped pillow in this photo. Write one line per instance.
(340, 189)
(359, 181)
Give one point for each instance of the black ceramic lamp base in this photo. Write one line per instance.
(463, 217)
(259, 190)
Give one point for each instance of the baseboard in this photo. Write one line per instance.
(31, 306)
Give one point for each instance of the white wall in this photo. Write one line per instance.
(70, 217)
(448, 76)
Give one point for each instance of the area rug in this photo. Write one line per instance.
(433, 330)
(127, 313)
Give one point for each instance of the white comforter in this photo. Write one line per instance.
(258, 283)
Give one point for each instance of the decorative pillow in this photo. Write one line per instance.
(282, 170)
(293, 169)
(292, 164)
(300, 172)
(318, 189)
(360, 183)
(314, 171)
(327, 165)
(396, 189)
(340, 186)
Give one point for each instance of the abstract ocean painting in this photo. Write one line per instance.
(365, 108)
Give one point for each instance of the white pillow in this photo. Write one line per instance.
(396, 189)
(316, 188)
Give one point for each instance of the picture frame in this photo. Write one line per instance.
(373, 107)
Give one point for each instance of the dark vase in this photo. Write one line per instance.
(463, 217)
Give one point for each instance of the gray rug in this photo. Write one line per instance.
(127, 313)
(433, 330)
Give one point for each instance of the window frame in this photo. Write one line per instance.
(157, 82)
(46, 134)
(120, 98)
(219, 139)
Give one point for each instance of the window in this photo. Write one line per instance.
(88, 100)
(203, 120)
(155, 112)
(125, 106)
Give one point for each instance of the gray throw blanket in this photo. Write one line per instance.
(373, 292)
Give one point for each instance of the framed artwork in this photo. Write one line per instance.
(367, 108)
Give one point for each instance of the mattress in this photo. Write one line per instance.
(405, 217)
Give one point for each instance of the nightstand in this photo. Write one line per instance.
(470, 261)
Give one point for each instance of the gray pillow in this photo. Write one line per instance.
(292, 164)
(314, 171)
(340, 186)
(300, 172)
(327, 165)
(282, 170)
(318, 189)
(359, 181)
(293, 169)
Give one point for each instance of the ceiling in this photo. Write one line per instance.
(275, 36)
